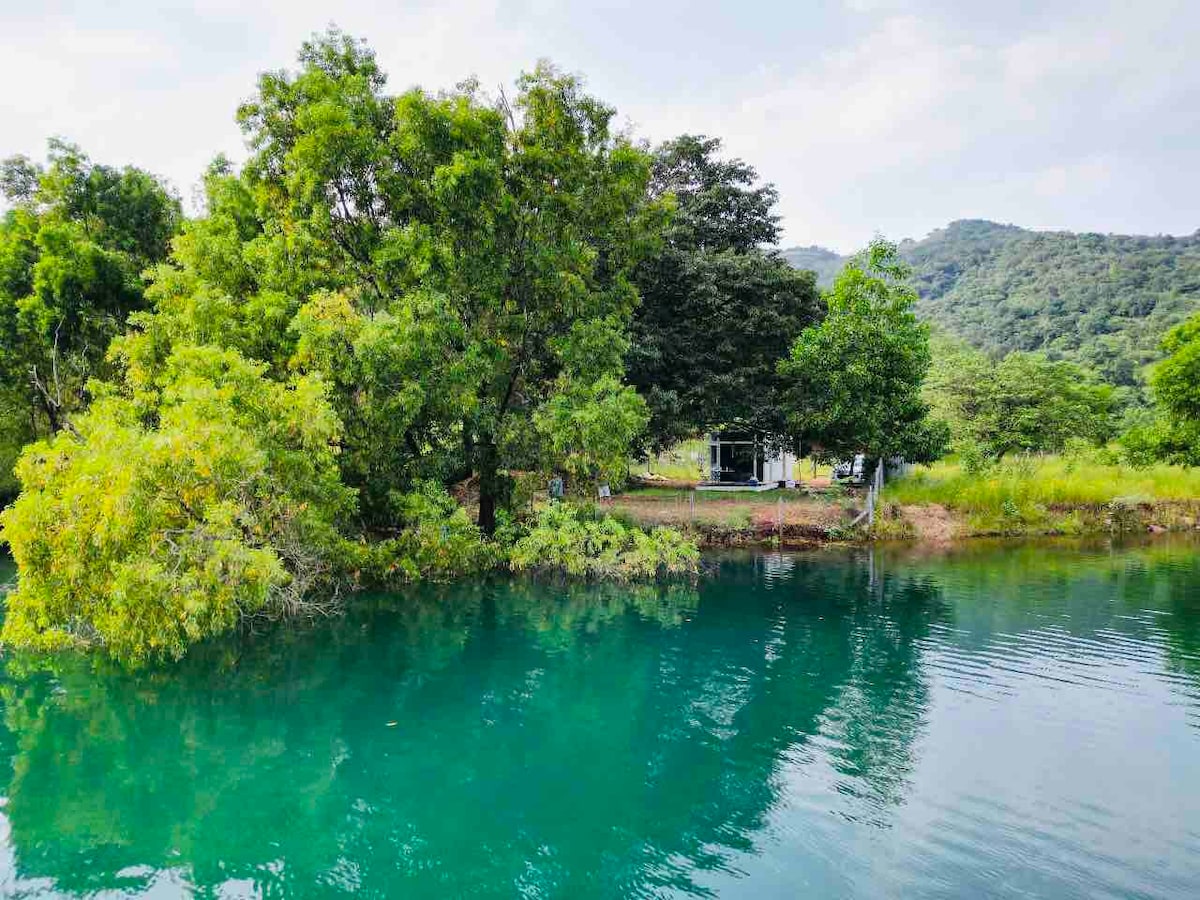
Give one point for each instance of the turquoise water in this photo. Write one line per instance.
(1015, 721)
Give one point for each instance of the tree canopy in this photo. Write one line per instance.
(504, 233)
(164, 519)
(1172, 432)
(853, 382)
(406, 305)
(1102, 301)
(72, 249)
(1023, 402)
(395, 293)
(718, 310)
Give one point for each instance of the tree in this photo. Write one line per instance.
(72, 250)
(514, 226)
(853, 382)
(1024, 402)
(717, 311)
(167, 517)
(394, 292)
(1176, 380)
(1032, 404)
(1172, 434)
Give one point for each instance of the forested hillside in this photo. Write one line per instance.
(1101, 300)
(824, 262)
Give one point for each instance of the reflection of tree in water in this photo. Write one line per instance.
(1144, 589)
(878, 714)
(562, 740)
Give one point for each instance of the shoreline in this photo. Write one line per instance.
(806, 521)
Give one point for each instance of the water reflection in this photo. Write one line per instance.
(510, 737)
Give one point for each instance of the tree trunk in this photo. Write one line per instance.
(488, 462)
(51, 411)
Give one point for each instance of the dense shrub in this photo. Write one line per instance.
(567, 541)
(437, 541)
(168, 518)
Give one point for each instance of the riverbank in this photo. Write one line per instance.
(938, 504)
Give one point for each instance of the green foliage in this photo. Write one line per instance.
(160, 524)
(854, 381)
(1100, 301)
(565, 541)
(717, 311)
(437, 541)
(504, 233)
(719, 206)
(398, 386)
(395, 292)
(1024, 402)
(1176, 380)
(71, 251)
(1172, 434)
(589, 427)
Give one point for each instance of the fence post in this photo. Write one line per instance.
(873, 492)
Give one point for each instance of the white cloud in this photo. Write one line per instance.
(881, 115)
(919, 120)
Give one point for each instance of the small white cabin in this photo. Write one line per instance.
(740, 461)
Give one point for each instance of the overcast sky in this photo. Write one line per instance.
(870, 115)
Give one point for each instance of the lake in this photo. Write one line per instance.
(1018, 720)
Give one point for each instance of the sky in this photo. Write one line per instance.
(870, 116)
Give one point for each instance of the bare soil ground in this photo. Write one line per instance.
(932, 524)
(728, 517)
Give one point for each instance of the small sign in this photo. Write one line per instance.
(605, 493)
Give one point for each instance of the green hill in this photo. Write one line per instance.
(824, 262)
(1100, 300)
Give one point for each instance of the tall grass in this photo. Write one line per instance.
(1047, 480)
(1042, 493)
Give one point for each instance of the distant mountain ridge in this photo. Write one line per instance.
(1100, 300)
(826, 263)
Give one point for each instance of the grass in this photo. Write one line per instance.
(1048, 494)
(686, 461)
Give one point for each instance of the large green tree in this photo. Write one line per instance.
(502, 233)
(854, 381)
(72, 249)
(718, 309)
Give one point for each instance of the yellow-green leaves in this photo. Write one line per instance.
(567, 542)
(141, 537)
(586, 428)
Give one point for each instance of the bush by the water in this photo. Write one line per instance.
(566, 540)
(168, 516)
(437, 542)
